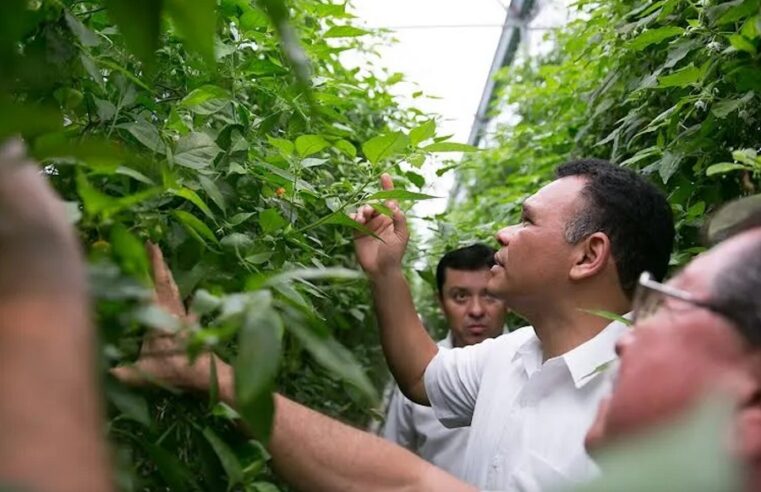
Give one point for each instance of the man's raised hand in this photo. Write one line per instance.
(383, 253)
(162, 355)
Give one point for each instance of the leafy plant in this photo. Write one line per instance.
(228, 132)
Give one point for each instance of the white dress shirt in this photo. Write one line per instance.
(528, 419)
(416, 428)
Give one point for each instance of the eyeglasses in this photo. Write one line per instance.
(650, 296)
(734, 217)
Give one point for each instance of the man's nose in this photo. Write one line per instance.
(503, 235)
(476, 308)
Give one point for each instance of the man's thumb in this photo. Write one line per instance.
(400, 221)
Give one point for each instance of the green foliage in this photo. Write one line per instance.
(229, 133)
(669, 88)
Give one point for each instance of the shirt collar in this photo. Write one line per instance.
(446, 342)
(584, 361)
(530, 353)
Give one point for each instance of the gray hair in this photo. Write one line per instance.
(737, 290)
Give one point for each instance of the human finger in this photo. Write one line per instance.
(167, 292)
(387, 184)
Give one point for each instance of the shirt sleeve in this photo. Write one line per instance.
(399, 426)
(452, 381)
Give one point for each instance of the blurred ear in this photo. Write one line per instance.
(591, 256)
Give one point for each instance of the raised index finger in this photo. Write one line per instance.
(387, 184)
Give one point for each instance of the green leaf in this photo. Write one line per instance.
(681, 453)
(85, 36)
(257, 362)
(259, 414)
(258, 353)
(723, 109)
(744, 9)
(334, 357)
(285, 147)
(681, 78)
(312, 162)
(176, 475)
(130, 404)
(196, 22)
(193, 198)
(399, 195)
(212, 190)
(339, 217)
(344, 32)
(334, 273)
(226, 456)
(138, 21)
(206, 100)
(384, 146)
(146, 134)
(254, 19)
(240, 218)
(346, 147)
(136, 175)
(449, 147)
(270, 220)
(196, 150)
(610, 316)
(423, 132)
(195, 227)
(726, 167)
(415, 178)
(747, 156)
(741, 43)
(95, 202)
(131, 253)
(237, 240)
(307, 145)
(654, 36)
(669, 164)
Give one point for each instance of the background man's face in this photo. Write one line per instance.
(672, 359)
(535, 257)
(472, 312)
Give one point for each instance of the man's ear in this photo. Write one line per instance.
(591, 256)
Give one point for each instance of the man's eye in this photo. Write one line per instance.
(459, 297)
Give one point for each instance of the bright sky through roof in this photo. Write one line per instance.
(451, 63)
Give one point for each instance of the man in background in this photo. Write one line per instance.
(473, 314)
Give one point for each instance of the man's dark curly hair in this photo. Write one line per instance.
(631, 211)
(477, 256)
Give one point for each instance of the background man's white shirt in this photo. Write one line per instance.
(528, 419)
(416, 428)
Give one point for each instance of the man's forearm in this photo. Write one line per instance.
(50, 422)
(51, 425)
(406, 344)
(315, 453)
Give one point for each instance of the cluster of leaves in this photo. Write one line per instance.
(669, 88)
(229, 133)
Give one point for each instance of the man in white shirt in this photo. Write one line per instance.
(530, 396)
(473, 314)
